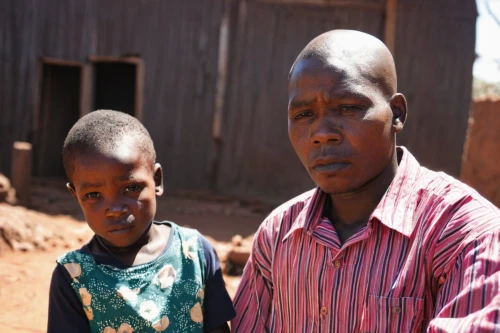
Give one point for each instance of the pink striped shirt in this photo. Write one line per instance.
(428, 260)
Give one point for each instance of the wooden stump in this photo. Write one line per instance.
(22, 161)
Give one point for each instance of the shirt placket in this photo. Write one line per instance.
(326, 235)
(335, 264)
(331, 278)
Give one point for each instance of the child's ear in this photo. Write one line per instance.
(158, 176)
(71, 188)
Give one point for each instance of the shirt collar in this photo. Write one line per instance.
(310, 215)
(395, 210)
(397, 207)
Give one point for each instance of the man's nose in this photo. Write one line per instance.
(326, 132)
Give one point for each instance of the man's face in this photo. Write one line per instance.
(117, 192)
(340, 125)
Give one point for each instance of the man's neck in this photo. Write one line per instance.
(351, 211)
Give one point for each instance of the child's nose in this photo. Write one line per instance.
(116, 210)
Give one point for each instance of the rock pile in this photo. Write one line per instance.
(22, 229)
(234, 255)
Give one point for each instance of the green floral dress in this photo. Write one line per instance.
(165, 295)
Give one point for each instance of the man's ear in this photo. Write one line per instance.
(399, 109)
(158, 176)
(71, 188)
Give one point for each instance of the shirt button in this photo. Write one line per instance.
(396, 309)
(324, 311)
(336, 263)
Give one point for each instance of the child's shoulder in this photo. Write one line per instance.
(184, 233)
(76, 256)
(190, 237)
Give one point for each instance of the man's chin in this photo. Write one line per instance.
(338, 188)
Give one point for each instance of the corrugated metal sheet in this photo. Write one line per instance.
(178, 41)
(257, 158)
(435, 44)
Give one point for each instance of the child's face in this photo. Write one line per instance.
(117, 192)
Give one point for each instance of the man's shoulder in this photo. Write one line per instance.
(416, 180)
(461, 210)
(293, 204)
(282, 217)
(455, 192)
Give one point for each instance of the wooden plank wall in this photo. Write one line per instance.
(18, 49)
(177, 40)
(435, 43)
(434, 57)
(257, 158)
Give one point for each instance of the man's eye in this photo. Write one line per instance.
(92, 195)
(347, 108)
(132, 188)
(303, 114)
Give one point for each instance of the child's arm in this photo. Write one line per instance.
(217, 305)
(222, 329)
(65, 309)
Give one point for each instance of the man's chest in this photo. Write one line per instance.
(377, 277)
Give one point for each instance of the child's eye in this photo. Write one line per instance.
(132, 188)
(92, 195)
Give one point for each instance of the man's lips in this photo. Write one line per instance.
(329, 165)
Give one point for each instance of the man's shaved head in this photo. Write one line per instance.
(363, 55)
(344, 111)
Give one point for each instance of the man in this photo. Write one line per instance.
(383, 244)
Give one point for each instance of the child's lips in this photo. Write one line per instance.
(120, 229)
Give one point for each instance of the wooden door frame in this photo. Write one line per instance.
(84, 84)
(139, 80)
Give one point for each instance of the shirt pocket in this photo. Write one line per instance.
(392, 315)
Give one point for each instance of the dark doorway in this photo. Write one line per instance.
(115, 86)
(59, 110)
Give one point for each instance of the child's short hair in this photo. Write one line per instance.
(101, 130)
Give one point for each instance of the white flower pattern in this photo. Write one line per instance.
(88, 312)
(86, 296)
(125, 328)
(148, 310)
(197, 313)
(143, 291)
(166, 276)
(189, 248)
(201, 294)
(74, 270)
(161, 324)
(128, 294)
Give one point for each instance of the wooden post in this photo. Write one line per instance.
(222, 70)
(22, 159)
(390, 26)
(139, 89)
(86, 89)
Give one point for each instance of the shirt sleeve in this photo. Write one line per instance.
(254, 295)
(65, 309)
(217, 305)
(469, 297)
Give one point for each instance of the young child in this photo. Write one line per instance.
(135, 274)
